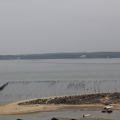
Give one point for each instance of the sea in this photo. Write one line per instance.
(26, 79)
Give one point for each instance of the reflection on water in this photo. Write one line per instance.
(20, 90)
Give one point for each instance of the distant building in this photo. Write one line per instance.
(83, 56)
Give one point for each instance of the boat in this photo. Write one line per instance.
(108, 107)
(86, 115)
(107, 110)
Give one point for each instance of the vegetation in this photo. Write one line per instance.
(63, 55)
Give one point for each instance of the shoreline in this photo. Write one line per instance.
(61, 103)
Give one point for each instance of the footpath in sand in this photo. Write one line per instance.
(74, 102)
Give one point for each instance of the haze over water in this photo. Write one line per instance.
(40, 26)
(42, 78)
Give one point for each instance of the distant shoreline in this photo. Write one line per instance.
(89, 102)
(78, 55)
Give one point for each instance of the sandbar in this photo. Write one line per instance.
(31, 106)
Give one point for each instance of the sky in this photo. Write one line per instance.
(51, 26)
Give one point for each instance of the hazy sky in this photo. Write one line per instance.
(45, 26)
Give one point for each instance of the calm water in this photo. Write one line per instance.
(42, 78)
(69, 114)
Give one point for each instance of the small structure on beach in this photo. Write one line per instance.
(86, 115)
(107, 109)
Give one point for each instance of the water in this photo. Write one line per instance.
(42, 78)
(66, 114)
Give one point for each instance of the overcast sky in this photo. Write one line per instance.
(49, 26)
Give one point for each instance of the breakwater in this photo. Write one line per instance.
(100, 98)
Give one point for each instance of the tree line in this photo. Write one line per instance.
(79, 55)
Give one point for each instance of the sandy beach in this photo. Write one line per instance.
(14, 108)
(35, 105)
